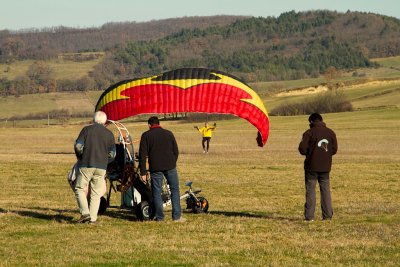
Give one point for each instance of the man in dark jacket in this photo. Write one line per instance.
(319, 144)
(94, 148)
(160, 148)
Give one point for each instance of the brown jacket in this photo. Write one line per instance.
(319, 144)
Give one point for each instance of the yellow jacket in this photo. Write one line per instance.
(207, 131)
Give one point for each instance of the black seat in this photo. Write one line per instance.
(116, 167)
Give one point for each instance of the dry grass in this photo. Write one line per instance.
(256, 199)
(62, 68)
(75, 102)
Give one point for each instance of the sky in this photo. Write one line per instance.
(38, 14)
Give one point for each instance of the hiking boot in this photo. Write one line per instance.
(84, 218)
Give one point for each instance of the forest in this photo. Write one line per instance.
(295, 45)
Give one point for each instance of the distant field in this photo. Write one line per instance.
(62, 68)
(370, 94)
(388, 62)
(256, 200)
(390, 69)
(375, 94)
(268, 88)
(373, 87)
(39, 103)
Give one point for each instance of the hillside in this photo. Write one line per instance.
(376, 35)
(293, 46)
(373, 89)
(49, 42)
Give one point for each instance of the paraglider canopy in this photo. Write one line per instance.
(186, 90)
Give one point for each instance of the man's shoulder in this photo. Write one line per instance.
(92, 126)
(164, 131)
(168, 131)
(331, 131)
(100, 128)
(324, 129)
(308, 131)
(87, 127)
(161, 132)
(156, 131)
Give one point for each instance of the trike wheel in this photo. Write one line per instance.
(144, 211)
(201, 205)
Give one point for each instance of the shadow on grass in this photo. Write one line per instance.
(126, 214)
(43, 213)
(3, 210)
(118, 213)
(260, 215)
(58, 153)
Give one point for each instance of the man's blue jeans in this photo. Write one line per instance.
(156, 186)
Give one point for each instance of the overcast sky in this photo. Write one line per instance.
(23, 14)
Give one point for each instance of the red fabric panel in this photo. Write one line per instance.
(207, 98)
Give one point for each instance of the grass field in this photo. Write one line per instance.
(376, 87)
(366, 95)
(39, 103)
(390, 62)
(256, 194)
(256, 200)
(61, 67)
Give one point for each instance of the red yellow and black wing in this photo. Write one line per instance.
(186, 90)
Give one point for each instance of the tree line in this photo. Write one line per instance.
(295, 45)
(46, 43)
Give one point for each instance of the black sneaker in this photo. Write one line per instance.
(84, 218)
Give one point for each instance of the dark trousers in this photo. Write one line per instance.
(311, 179)
(206, 140)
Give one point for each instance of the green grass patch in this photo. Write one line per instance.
(256, 200)
(61, 67)
(389, 62)
(373, 94)
(75, 102)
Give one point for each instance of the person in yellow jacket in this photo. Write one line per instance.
(206, 132)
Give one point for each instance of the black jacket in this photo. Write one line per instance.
(160, 146)
(95, 146)
(319, 144)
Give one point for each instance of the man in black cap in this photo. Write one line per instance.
(318, 144)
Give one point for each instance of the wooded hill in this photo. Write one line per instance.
(48, 43)
(294, 45)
